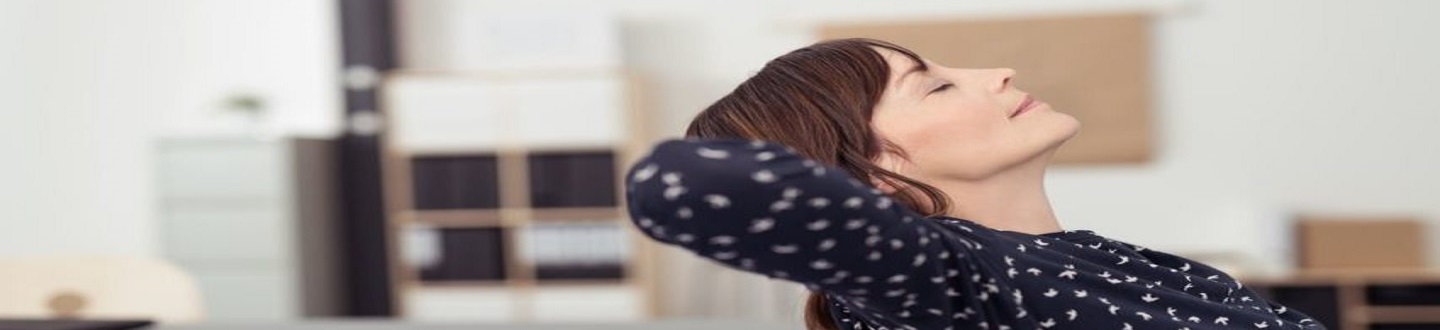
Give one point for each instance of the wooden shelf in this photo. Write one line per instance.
(452, 218)
(501, 75)
(607, 283)
(581, 283)
(444, 152)
(465, 284)
(1403, 314)
(524, 171)
(502, 150)
(465, 218)
(576, 213)
(1374, 276)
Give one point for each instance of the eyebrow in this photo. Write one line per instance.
(919, 67)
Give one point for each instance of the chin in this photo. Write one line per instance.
(1046, 148)
(1068, 128)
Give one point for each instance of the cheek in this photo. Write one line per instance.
(959, 128)
(950, 138)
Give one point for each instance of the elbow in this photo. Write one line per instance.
(645, 198)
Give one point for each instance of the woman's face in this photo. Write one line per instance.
(963, 124)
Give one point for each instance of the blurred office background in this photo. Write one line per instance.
(454, 160)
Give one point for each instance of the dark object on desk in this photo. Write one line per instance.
(19, 324)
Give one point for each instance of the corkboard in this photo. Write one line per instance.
(1360, 244)
(1094, 67)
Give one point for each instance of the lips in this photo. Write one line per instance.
(1025, 104)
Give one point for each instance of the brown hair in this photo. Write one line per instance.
(819, 100)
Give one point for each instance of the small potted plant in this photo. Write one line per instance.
(252, 107)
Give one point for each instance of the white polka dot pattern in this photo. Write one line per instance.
(759, 207)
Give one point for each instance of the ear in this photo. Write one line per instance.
(890, 162)
(884, 187)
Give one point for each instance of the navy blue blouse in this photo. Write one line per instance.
(762, 208)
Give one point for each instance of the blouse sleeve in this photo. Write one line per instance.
(760, 207)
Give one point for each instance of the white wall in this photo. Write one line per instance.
(88, 85)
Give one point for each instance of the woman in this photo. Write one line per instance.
(908, 195)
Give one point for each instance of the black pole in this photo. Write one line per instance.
(367, 49)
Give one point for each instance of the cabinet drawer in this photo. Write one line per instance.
(248, 295)
(221, 170)
(242, 234)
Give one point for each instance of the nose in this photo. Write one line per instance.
(1002, 79)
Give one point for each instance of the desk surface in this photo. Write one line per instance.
(380, 324)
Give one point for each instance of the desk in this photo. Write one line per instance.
(382, 324)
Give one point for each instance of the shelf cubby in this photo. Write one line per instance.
(572, 179)
(467, 254)
(455, 182)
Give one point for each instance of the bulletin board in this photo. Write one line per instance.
(1094, 67)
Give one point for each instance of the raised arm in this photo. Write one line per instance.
(760, 207)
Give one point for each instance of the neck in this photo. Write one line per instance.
(1013, 200)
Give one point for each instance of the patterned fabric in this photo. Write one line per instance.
(760, 207)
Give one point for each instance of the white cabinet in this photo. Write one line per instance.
(252, 220)
(205, 170)
(202, 233)
(261, 293)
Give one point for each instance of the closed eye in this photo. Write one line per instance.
(942, 88)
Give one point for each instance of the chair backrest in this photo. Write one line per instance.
(97, 287)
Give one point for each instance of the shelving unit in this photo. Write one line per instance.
(505, 200)
(1403, 300)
